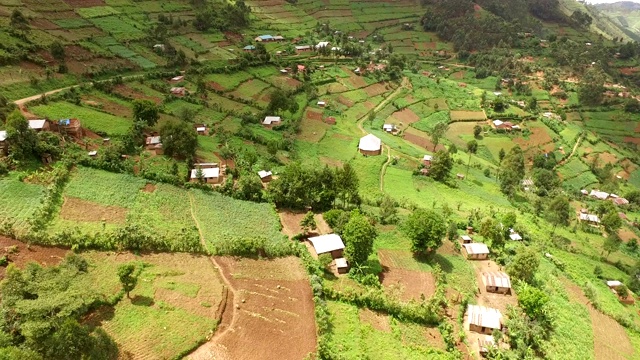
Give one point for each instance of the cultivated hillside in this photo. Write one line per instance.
(625, 13)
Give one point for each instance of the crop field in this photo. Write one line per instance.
(20, 200)
(91, 119)
(104, 188)
(173, 308)
(573, 168)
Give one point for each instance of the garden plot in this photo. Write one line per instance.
(411, 284)
(463, 115)
(93, 120)
(20, 201)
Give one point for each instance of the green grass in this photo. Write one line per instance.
(19, 201)
(92, 119)
(105, 188)
(96, 11)
(573, 168)
(229, 81)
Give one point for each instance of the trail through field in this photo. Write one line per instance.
(384, 168)
(575, 147)
(206, 350)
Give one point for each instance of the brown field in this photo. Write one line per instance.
(24, 254)
(538, 137)
(74, 209)
(377, 320)
(626, 235)
(331, 161)
(610, 339)
(291, 223)
(458, 75)
(411, 284)
(421, 139)
(441, 102)
(106, 105)
(406, 116)
(334, 88)
(130, 93)
(463, 115)
(633, 140)
(343, 100)
(356, 81)
(312, 130)
(43, 24)
(274, 310)
(286, 82)
(84, 3)
(313, 115)
(215, 86)
(375, 89)
(574, 116)
(605, 157)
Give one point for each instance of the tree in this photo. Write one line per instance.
(146, 112)
(128, 277)
(591, 87)
(512, 171)
(308, 223)
(57, 50)
(426, 229)
(281, 100)
(501, 155)
(472, 147)
(492, 229)
(358, 235)
(179, 139)
(535, 303)
(347, 184)
(200, 175)
(611, 243)
(18, 20)
(524, 266)
(546, 181)
(477, 130)
(388, 210)
(23, 140)
(559, 211)
(441, 165)
(612, 222)
(249, 188)
(438, 132)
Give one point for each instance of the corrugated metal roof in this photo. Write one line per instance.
(476, 248)
(496, 278)
(3, 135)
(370, 143)
(484, 316)
(209, 173)
(326, 243)
(341, 263)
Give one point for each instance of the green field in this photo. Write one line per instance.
(93, 120)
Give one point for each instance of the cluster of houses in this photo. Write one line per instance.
(69, 127)
(500, 125)
(601, 195)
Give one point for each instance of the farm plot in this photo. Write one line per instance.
(573, 168)
(463, 115)
(224, 220)
(394, 275)
(104, 188)
(120, 27)
(250, 90)
(227, 82)
(20, 200)
(421, 139)
(430, 121)
(174, 307)
(93, 120)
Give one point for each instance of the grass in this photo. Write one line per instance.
(105, 188)
(92, 119)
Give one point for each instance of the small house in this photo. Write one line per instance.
(620, 201)
(370, 145)
(484, 345)
(496, 282)
(154, 143)
(330, 120)
(39, 125)
(460, 176)
(328, 244)
(357, 71)
(178, 91)
(527, 183)
(71, 127)
(92, 153)
(322, 44)
(483, 320)
(514, 236)
(619, 289)
(248, 48)
(584, 192)
(591, 219)
(265, 176)
(476, 251)
(389, 128)
(4, 146)
(321, 104)
(600, 195)
(210, 173)
(426, 160)
(466, 239)
(342, 266)
(302, 68)
(264, 38)
(177, 78)
(158, 47)
(270, 121)
(201, 129)
(303, 48)
(284, 71)
(278, 38)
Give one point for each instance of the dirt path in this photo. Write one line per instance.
(405, 84)
(384, 168)
(573, 151)
(226, 324)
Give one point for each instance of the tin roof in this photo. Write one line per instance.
(326, 243)
(496, 278)
(484, 316)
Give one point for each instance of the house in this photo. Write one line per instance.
(460, 176)
(502, 125)
(201, 129)
(527, 184)
(620, 201)
(483, 320)
(476, 251)
(265, 176)
(357, 71)
(389, 128)
(370, 145)
(154, 143)
(158, 47)
(496, 282)
(178, 91)
(514, 236)
(591, 219)
(278, 38)
(284, 71)
(618, 289)
(177, 78)
(600, 195)
(322, 44)
(302, 68)
(328, 244)
(321, 104)
(4, 146)
(249, 48)
(92, 153)
(342, 266)
(302, 48)
(584, 192)
(270, 121)
(485, 344)
(39, 125)
(210, 173)
(426, 160)
(71, 127)
(424, 172)
(330, 120)
(466, 239)
(265, 38)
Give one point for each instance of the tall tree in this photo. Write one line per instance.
(179, 139)
(18, 20)
(146, 112)
(23, 140)
(472, 148)
(128, 277)
(612, 222)
(426, 229)
(559, 211)
(441, 165)
(438, 132)
(591, 87)
(57, 50)
(512, 171)
(611, 243)
(347, 184)
(358, 235)
(524, 265)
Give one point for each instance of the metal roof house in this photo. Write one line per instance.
(483, 320)
(496, 282)
(328, 244)
(270, 121)
(476, 251)
(370, 145)
(210, 175)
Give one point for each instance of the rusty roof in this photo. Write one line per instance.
(496, 278)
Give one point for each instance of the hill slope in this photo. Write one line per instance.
(625, 13)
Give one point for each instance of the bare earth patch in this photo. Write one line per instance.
(375, 89)
(20, 254)
(421, 139)
(291, 223)
(377, 320)
(75, 209)
(412, 284)
(406, 116)
(149, 188)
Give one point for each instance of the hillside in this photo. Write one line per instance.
(625, 13)
(193, 153)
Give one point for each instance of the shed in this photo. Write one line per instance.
(426, 160)
(39, 125)
(92, 153)
(201, 129)
(264, 38)
(584, 192)
(515, 236)
(600, 195)
(342, 266)
(270, 121)
(177, 78)
(152, 141)
(370, 145)
(612, 284)
(278, 38)
(301, 48)
(589, 218)
(466, 239)
(210, 175)
(620, 201)
(476, 251)
(249, 48)
(328, 244)
(485, 344)
(483, 320)
(330, 120)
(71, 127)
(178, 91)
(496, 282)
(265, 176)
(389, 128)
(321, 103)
(322, 44)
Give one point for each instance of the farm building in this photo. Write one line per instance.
(476, 251)
(321, 104)
(302, 68)
(466, 239)
(284, 71)
(426, 160)
(389, 128)
(620, 201)
(270, 121)
(158, 47)
(4, 146)
(496, 282)
(201, 129)
(278, 38)
(330, 120)
(154, 143)
(619, 289)
(342, 266)
(92, 153)
(600, 195)
(39, 125)
(248, 48)
(485, 344)
(328, 244)
(584, 192)
(264, 38)
(71, 127)
(483, 320)
(210, 173)
(322, 44)
(178, 91)
(515, 236)
(302, 48)
(527, 184)
(591, 219)
(370, 145)
(177, 78)
(265, 176)
(502, 125)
